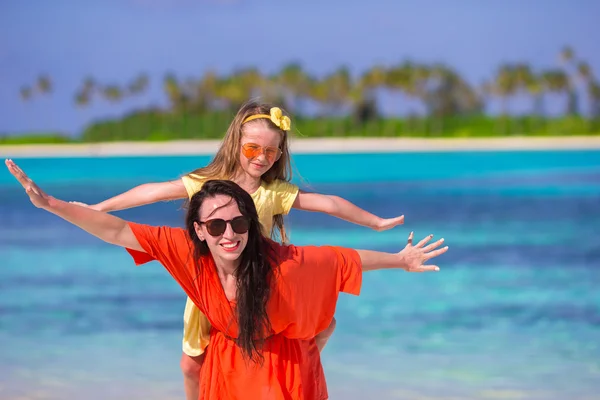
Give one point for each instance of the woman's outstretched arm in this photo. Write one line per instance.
(106, 227)
(410, 258)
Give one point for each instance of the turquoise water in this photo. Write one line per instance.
(514, 312)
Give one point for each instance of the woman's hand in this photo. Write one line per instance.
(413, 257)
(37, 196)
(107, 227)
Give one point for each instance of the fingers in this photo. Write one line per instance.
(435, 253)
(389, 223)
(422, 242)
(398, 220)
(426, 268)
(410, 238)
(433, 245)
(17, 172)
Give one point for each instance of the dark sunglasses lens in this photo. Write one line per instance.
(240, 225)
(216, 227)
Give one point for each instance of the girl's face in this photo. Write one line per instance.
(259, 149)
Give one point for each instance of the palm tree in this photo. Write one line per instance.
(505, 85)
(206, 91)
(566, 55)
(419, 79)
(567, 58)
(374, 78)
(231, 90)
(364, 93)
(414, 79)
(339, 85)
(534, 86)
(584, 71)
(82, 98)
(178, 98)
(295, 84)
(487, 90)
(555, 81)
(447, 94)
(396, 80)
(44, 84)
(410, 79)
(25, 93)
(138, 85)
(594, 95)
(584, 74)
(250, 82)
(364, 104)
(112, 93)
(89, 84)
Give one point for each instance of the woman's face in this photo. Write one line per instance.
(223, 227)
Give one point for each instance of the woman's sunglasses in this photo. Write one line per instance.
(252, 150)
(217, 226)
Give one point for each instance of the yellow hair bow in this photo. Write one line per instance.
(277, 117)
(280, 120)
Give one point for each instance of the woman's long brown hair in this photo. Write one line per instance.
(254, 273)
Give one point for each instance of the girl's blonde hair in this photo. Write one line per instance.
(226, 163)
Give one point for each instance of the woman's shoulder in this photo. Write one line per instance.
(288, 257)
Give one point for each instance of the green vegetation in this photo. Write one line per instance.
(42, 138)
(347, 106)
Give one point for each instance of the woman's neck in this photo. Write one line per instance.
(247, 182)
(226, 267)
(226, 273)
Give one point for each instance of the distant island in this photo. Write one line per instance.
(343, 106)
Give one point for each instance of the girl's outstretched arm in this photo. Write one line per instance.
(141, 195)
(107, 227)
(341, 208)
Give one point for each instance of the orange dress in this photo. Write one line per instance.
(304, 293)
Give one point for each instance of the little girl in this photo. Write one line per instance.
(255, 155)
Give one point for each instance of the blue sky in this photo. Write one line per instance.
(113, 40)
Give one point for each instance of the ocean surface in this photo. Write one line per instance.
(514, 312)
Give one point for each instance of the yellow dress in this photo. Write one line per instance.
(270, 199)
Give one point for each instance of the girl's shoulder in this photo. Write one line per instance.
(194, 176)
(279, 185)
(192, 183)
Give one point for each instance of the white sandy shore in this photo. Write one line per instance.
(307, 146)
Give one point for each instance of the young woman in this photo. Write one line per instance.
(266, 302)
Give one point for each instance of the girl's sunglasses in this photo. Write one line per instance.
(217, 226)
(252, 150)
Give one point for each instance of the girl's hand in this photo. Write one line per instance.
(413, 257)
(37, 196)
(388, 223)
